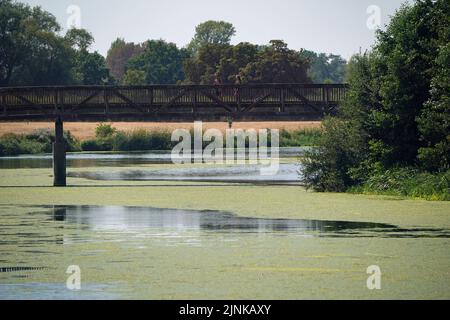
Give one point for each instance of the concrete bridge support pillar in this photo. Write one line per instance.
(59, 155)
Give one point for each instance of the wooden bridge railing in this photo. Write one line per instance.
(164, 103)
(171, 102)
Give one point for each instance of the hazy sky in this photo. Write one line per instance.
(337, 26)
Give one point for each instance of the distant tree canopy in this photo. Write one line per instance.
(211, 32)
(219, 60)
(161, 62)
(118, 56)
(251, 63)
(34, 51)
(277, 63)
(326, 68)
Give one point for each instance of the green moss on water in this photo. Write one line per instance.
(33, 186)
(234, 266)
(221, 266)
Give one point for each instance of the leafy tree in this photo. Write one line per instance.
(341, 159)
(238, 58)
(326, 68)
(31, 50)
(49, 63)
(434, 121)
(134, 78)
(14, 42)
(79, 39)
(161, 61)
(406, 59)
(90, 69)
(202, 68)
(211, 32)
(278, 64)
(275, 63)
(118, 56)
(397, 103)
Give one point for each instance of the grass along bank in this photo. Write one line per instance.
(109, 138)
(37, 142)
(407, 182)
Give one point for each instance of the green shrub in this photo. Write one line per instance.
(104, 131)
(43, 136)
(39, 141)
(160, 140)
(104, 137)
(73, 145)
(329, 166)
(10, 145)
(120, 141)
(408, 182)
(300, 138)
(46, 137)
(140, 140)
(27, 146)
(90, 145)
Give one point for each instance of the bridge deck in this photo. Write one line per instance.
(171, 102)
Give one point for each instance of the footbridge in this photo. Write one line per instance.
(165, 103)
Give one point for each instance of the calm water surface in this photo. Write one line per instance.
(287, 173)
(38, 244)
(80, 160)
(158, 253)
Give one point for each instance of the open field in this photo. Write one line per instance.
(86, 130)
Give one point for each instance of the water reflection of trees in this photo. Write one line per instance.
(124, 218)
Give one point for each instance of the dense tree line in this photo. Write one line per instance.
(326, 68)
(397, 114)
(34, 51)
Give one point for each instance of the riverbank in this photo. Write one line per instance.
(110, 138)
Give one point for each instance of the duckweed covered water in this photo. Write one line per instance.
(139, 252)
(221, 241)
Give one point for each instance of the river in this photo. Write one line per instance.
(139, 227)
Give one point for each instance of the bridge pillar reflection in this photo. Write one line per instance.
(59, 155)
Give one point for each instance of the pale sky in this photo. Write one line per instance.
(331, 26)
